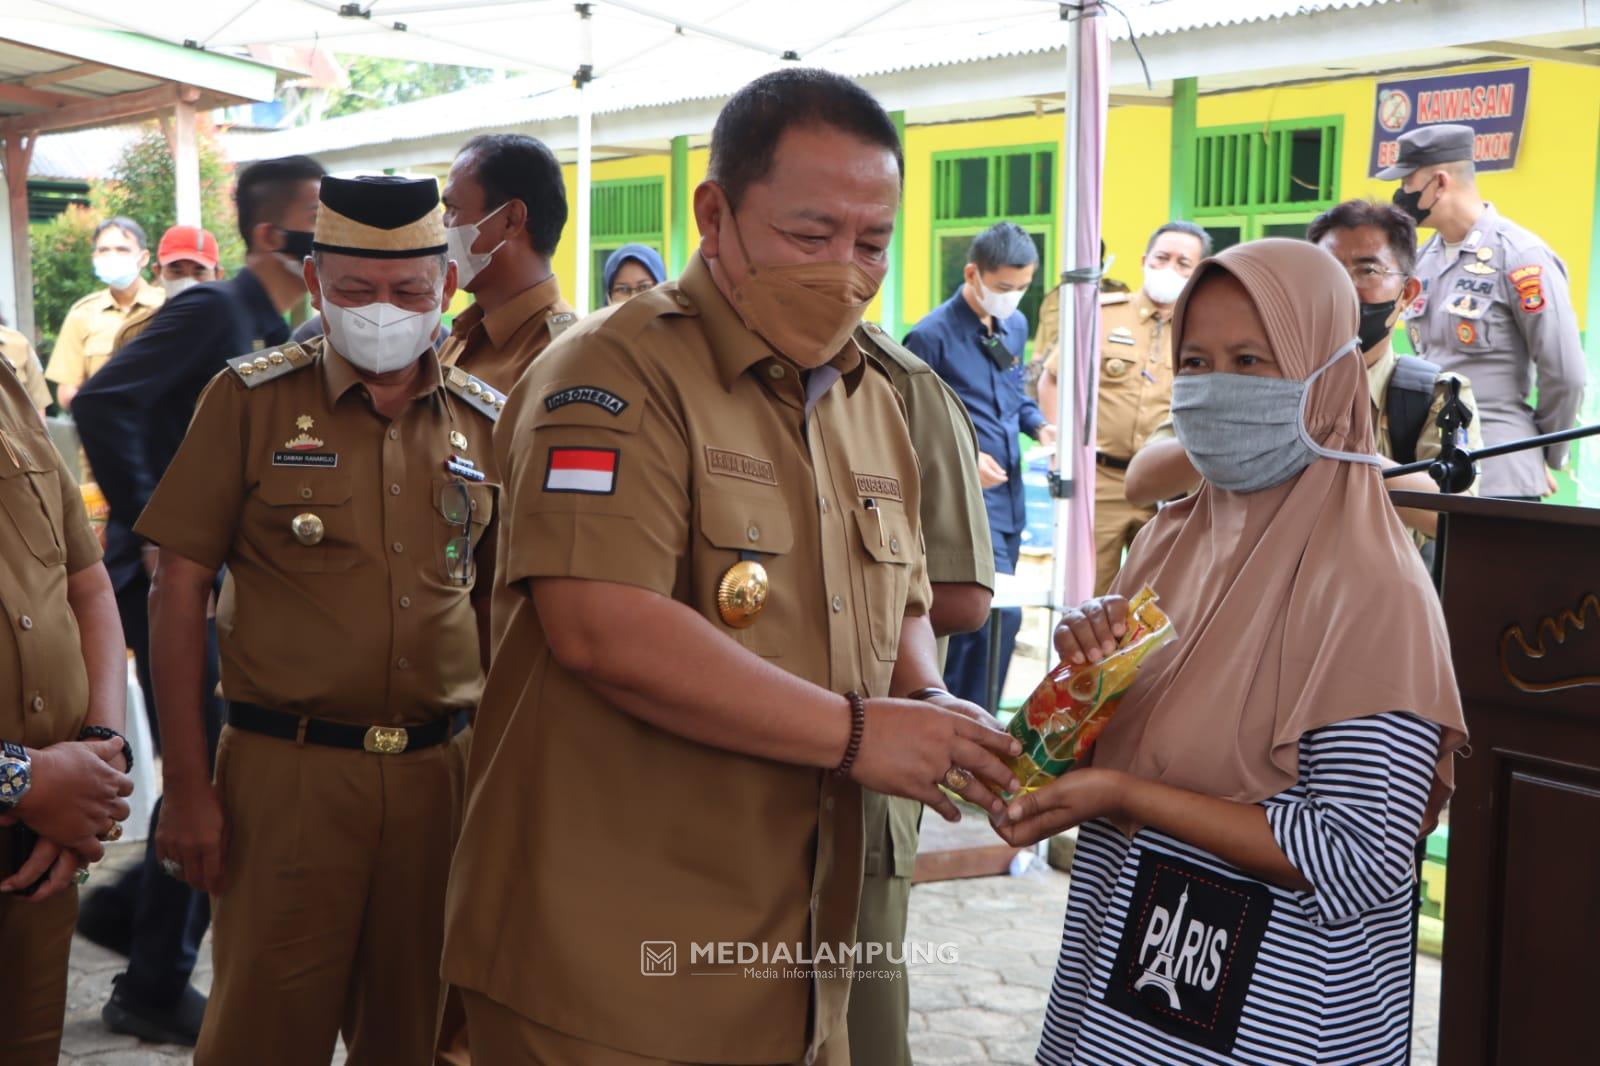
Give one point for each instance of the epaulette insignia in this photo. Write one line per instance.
(477, 392)
(261, 367)
(560, 322)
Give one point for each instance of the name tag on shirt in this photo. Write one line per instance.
(1188, 950)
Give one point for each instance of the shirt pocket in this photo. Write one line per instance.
(460, 509)
(288, 497)
(748, 528)
(30, 494)
(885, 574)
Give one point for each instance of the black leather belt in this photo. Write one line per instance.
(1102, 459)
(378, 739)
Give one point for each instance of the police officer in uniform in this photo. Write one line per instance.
(62, 759)
(712, 489)
(1494, 306)
(505, 203)
(955, 531)
(1135, 383)
(348, 487)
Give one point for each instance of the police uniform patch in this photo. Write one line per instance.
(1529, 281)
(1467, 306)
(604, 399)
(1466, 332)
(1419, 305)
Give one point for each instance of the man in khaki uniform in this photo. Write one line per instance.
(24, 362)
(62, 762)
(348, 487)
(187, 256)
(713, 490)
(1135, 383)
(955, 532)
(89, 332)
(505, 203)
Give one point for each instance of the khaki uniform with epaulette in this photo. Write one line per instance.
(16, 350)
(350, 650)
(955, 533)
(1134, 398)
(499, 346)
(662, 444)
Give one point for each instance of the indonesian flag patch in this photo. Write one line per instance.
(591, 470)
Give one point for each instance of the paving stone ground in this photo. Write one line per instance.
(984, 1010)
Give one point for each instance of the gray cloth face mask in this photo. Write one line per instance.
(1246, 433)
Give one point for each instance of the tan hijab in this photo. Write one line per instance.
(1297, 606)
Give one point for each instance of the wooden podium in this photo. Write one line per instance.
(1521, 593)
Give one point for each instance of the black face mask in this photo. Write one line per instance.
(296, 244)
(1375, 324)
(1411, 203)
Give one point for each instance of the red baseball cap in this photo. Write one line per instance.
(187, 242)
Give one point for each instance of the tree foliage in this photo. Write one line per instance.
(376, 82)
(142, 186)
(61, 270)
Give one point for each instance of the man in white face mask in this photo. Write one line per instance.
(348, 486)
(1135, 389)
(505, 204)
(187, 256)
(88, 332)
(975, 342)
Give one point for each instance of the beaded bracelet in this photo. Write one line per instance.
(858, 725)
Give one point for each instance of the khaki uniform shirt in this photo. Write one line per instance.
(498, 347)
(89, 332)
(655, 444)
(1135, 372)
(1429, 446)
(1495, 311)
(46, 537)
(372, 624)
(955, 528)
(25, 361)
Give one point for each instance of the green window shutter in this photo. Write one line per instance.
(624, 211)
(972, 190)
(1249, 170)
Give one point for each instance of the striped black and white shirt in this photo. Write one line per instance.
(1171, 956)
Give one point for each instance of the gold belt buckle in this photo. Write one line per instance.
(386, 740)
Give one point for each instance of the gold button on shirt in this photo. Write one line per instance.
(89, 332)
(498, 347)
(44, 686)
(358, 616)
(656, 444)
(1135, 373)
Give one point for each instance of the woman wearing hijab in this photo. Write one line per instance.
(1243, 885)
(631, 270)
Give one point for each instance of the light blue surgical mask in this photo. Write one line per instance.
(1246, 433)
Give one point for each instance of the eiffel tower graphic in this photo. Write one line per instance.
(1159, 972)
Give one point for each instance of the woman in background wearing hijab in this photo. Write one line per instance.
(1243, 885)
(631, 270)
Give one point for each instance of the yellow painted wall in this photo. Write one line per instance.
(1550, 190)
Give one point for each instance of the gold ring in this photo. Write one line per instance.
(112, 835)
(956, 779)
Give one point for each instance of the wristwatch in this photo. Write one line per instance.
(15, 774)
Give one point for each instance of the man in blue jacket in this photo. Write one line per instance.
(974, 341)
(131, 417)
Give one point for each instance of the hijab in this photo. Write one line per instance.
(1298, 606)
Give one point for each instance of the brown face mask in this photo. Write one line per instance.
(805, 310)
